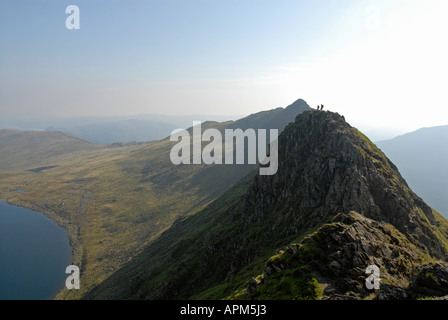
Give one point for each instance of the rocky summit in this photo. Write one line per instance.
(336, 206)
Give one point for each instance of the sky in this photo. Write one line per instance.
(380, 63)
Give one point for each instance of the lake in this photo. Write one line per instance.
(34, 252)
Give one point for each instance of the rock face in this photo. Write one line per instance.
(431, 280)
(336, 206)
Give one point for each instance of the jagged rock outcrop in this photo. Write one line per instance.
(431, 280)
(339, 253)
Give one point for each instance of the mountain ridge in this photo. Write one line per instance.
(331, 180)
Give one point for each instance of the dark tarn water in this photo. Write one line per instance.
(34, 252)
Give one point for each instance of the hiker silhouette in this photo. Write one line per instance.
(321, 107)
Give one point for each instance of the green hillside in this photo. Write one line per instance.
(31, 149)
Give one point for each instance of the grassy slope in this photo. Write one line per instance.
(109, 206)
(31, 149)
(185, 238)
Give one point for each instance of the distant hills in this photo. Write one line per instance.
(120, 131)
(422, 158)
(107, 130)
(28, 149)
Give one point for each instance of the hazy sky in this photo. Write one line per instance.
(380, 63)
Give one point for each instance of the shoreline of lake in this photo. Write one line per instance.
(34, 252)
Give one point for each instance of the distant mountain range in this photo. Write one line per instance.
(422, 158)
(107, 130)
(120, 131)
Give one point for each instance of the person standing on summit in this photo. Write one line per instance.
(321, 107)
